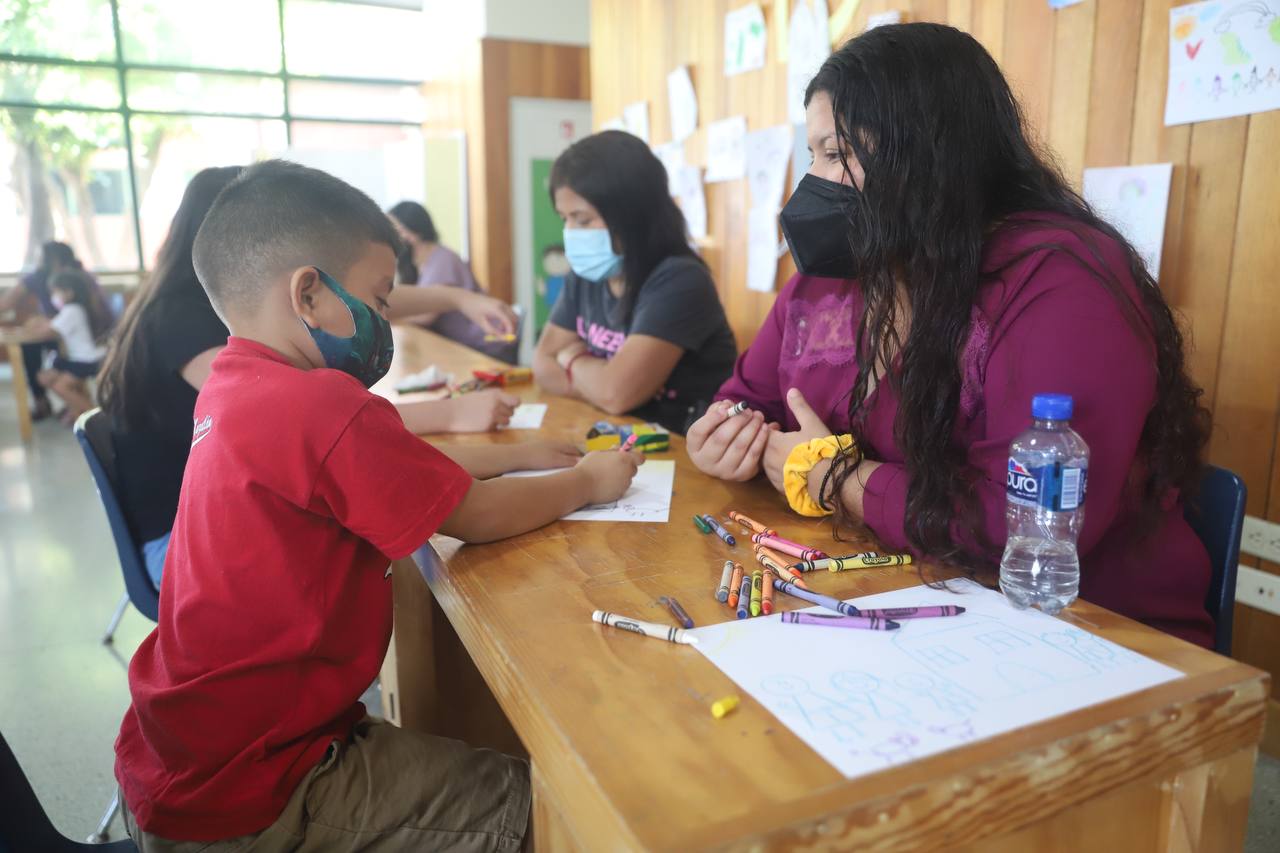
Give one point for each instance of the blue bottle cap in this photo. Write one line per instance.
(1051, 407)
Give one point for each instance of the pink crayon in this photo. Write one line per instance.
(914, 612)
(786, 546)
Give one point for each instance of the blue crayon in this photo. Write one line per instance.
(744, 598)
(719, 530)
(790, 588)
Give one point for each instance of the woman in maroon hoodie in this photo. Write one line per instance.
(948, 274)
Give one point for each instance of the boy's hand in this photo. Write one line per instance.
(609, 474)
(482, 411)
(544, 455)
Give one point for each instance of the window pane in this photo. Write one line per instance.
(210, 93)
(240, 34)
(348, 40)
(386, 161)
(64, 175)
(169, 150)
(321, 99)
(36, 83)
(70, 29)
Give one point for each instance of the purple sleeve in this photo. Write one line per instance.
(755, 374)
(1067, 334)
(444, 266)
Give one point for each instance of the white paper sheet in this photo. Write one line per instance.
(1224, 60)
(800, 158)
(745, 39)
(808, 45)
(672, 157)
(881, 19)
(1062, 4)
(762, 248)
(693, 200)
(527, 416)
(1135, 199)
(613, 124)
(726, 149)
(635, 118)
(866, 700)
(648, 499)
(768, 154)
(683, 104)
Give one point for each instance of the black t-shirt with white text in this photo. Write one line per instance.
(678, 303)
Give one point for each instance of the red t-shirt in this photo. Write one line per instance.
(275, 610)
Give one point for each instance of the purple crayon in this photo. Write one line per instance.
(790, 588)
(718, 529)
(677, 611)
(914, 612)
(867, 623)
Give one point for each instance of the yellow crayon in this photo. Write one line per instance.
(757, 581)
(837, 564)
(721, 708)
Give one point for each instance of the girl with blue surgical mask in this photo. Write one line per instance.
(638, 328)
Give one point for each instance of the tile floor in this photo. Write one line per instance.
(62, 693)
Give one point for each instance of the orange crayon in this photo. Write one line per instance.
(782, 570)
(751, 524)
(735, 584)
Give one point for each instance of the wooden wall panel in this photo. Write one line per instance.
(1092, 81)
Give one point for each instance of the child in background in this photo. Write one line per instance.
(275, 611)
(81, 323)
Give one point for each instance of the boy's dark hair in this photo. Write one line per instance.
(278, 216)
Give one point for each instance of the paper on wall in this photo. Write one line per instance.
(1224, 60)
(762, 248)
(800, 157)
(635, 117)
(1135, 199)
(693, 201)
(768, 154)
(875, 699)
(745, 40)
(672, 157)
(808, 44)
(613, 124)
(881, 19)
(647, 500)
(683, 104)
(726, 149)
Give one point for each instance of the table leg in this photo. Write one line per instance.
(20, 390)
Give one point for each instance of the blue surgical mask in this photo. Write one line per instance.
(366, 354)
(590, 253)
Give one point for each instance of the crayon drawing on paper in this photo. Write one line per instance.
(1224, 60)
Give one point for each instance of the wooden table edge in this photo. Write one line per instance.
(21, 392)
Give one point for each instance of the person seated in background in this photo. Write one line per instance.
(33, 291)
(275, 612)
(424, 261)
(638, 327)
(81, 323)
(160, 356)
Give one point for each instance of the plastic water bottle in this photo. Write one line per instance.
(1045, 487)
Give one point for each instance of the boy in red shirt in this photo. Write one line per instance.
(275, 611)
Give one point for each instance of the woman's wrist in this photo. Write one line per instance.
(818, 476)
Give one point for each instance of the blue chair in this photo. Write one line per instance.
(93, 431)
(23, 823)
(1216, 514)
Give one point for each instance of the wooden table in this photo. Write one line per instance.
(625, 755)
(13, 340)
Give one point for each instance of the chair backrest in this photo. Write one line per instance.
(1216, 514)
(23, 822)
(93, 430)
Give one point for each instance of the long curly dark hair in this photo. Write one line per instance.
(942, 141)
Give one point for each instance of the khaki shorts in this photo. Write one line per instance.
(388, 789)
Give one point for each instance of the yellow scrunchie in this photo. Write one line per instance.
(801, 460)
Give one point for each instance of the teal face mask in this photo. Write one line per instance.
(366, 354)
(590, 253)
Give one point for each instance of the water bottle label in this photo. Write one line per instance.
(1055, 487)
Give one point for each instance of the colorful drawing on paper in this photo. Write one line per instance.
(1135, 199)
(1224, 60)
(874, 699)
(745, 39)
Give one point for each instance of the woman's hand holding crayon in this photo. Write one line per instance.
(726, 446)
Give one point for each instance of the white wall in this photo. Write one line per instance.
(551, 21)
